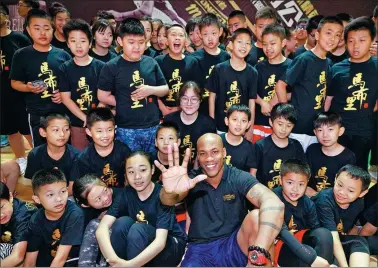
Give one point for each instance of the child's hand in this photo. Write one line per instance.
(249, 135)
(35, 90)
(56, 98)
(102, 214)
(310, 192)
(141, 92)
(266, 108)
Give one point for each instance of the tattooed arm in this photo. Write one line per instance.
(271, 214)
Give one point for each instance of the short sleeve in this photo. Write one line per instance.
(73, 232)
(245, 182)
(257, 155)
(252, 90)
(106, 81)
(371, 215)
(160, 80)
(18, 72)
(212, 83)
(63, 79)
(295, 71)
(326, 213)
(119, 206)
(165, 217)
(35, 238)
(32, 166)
(250, 163)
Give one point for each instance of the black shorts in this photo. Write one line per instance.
(14, 117)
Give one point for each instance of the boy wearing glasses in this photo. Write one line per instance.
(233, 81)
(300, 31)
(311, 28)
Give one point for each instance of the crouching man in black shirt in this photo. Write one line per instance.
(214, 238)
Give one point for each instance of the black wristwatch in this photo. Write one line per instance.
(258, 256)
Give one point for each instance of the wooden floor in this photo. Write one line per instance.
(23, 187)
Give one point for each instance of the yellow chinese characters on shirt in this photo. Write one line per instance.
(206, 93)
(322, 179)
(360, 94)
(187, 143)
(234, 95)
(276, 179)
(137, 81)
(319, 99)
(86, 96)
(175, 87)
(50, 81)
(270, 85)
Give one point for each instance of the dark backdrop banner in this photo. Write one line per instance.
(290, 11)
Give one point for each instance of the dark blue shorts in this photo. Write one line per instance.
(224, 252)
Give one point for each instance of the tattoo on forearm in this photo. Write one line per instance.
(277, 208)
(272, 225)
(255, 194)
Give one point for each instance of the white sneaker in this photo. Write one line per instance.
(22, 162)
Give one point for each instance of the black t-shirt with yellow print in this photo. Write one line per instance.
(110, 168)
(308, 75)
(333, 217)
(30, 65)
(122, 77)
(268, 75)
(16, 230)
(355, 93)
(207, 63)
(45, 235)
(324, 168)
(269, 157)
(81, 82)
(176, 73)
(231, 87)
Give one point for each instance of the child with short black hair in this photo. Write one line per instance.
(37, 76)
(56, 229)
(353, 92)
(192, 30)
(105, 156)
(309, 75)
(167, 133)
(233, 81)
(95, 198)
(301, 242)
(271, 151)
(269, 72)
(78, 79)
(310, 41)
(340, 53)
(136, 82)
(15, 216)
(338, 209)
(328, 156)
(55, 153)
(177, 68)
(236, 19)
(210, 55)
(239, 150)
(192, 124)
(144, 231)
(103, 34)
(263, 17)
(300, 31)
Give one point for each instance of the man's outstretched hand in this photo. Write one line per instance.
(175, 178)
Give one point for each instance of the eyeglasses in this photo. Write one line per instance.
(300, 27)
(185, 100)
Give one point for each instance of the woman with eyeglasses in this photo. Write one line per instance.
(191, 123)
